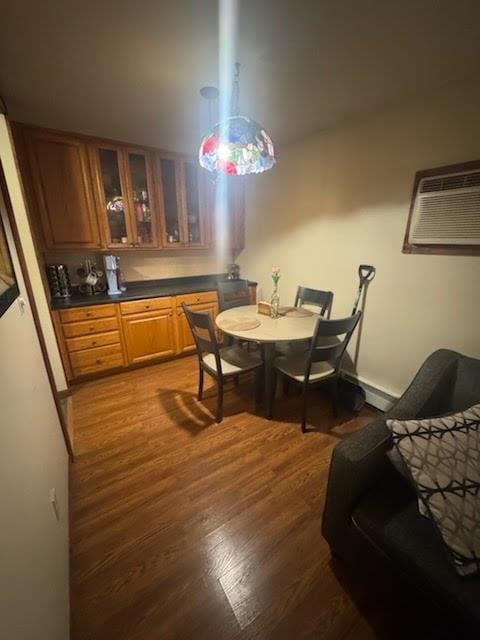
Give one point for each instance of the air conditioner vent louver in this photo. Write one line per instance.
(447, 210)
(444, 183)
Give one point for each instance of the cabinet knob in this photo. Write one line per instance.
(98, 361)
(147, 306)
(91, 328)
(89, 314)
(94, 342)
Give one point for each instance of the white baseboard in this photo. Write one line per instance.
(374, 395)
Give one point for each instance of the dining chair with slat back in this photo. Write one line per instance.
(221, 363)
(321, 363)
(233, 293)
(323, 300)
(315, 297)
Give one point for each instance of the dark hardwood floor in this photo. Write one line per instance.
(184, 528)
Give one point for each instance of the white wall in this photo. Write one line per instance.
(34, 602)
(8, 161)
(340, 199)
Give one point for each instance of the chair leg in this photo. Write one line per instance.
(285, 385)
(219, 414)
(200, 383)
(304, 409)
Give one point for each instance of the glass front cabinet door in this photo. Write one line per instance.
(139, 178)
(183, 210)
(172, 206)
(124, 178)
(112, 197)
(149, 201)
(194, 213)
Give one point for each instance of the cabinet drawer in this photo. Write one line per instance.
(88, 313)
(149, 304)
(100, 357)
(197, 298)
(113, 361)
(75, 329)
(96, 340)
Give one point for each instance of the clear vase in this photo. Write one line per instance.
(274, 302)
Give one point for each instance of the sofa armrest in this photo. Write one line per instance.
(430, 392)
(357, 464)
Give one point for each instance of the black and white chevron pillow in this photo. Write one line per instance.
(443, 456)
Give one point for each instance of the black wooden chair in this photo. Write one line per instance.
(315, 297)
(221, 363)
(232, 293)
(321, 363)
(323, 300)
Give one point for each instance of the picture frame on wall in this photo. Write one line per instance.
(9, 291)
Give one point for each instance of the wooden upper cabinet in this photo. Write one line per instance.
(185, 216)
(125, 196)
(195, 213)
(141, 198)
(89, 193)
(169, 185)
(111, 192)
(236, 212)
(226, 204)
(61, 187)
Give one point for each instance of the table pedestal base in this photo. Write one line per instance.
(269, 377)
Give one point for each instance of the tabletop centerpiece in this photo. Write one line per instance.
(275, 299)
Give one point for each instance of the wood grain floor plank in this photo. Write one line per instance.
(184, 528)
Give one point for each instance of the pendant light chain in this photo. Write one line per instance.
(236, 90)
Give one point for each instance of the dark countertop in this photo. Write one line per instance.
(141, 289)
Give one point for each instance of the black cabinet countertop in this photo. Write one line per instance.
(141, 289)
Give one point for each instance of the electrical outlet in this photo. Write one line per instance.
(54, 503)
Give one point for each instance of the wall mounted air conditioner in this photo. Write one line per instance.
(446, 210)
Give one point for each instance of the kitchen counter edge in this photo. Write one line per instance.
(136, 292)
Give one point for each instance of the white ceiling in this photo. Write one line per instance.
(132, 70)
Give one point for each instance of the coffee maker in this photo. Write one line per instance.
(111, 272)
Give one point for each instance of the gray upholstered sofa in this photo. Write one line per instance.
(371, 512)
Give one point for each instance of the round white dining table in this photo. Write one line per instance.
(268, 333)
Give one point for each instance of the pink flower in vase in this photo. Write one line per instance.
(275, 275)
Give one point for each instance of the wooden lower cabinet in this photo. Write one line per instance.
(89, 339)
(149, 336)
(97, 359)
(101, 338)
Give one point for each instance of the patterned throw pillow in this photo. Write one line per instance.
(399, 464)
(443, 456)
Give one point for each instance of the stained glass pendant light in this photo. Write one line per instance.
(238, 145)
